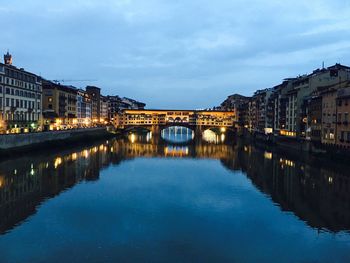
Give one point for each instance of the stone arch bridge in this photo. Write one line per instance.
(157, 120)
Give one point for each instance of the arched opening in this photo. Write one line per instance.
(138, 134)
(177, 134)
(214, 135)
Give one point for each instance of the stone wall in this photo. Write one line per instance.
(13, 141)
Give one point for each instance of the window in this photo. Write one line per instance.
(7, 90)
(7, 102)
(346, 116)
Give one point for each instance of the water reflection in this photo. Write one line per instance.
(314, 191)
(134, 137)
(177, 134)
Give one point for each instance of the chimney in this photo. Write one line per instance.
(8, 58)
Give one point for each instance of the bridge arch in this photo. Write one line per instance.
(177, 124)
(138, 129)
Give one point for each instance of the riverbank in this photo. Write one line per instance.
(18, 143)
(299, 146)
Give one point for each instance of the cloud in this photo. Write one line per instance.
(205, 50)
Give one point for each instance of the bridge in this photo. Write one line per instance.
(155, 120)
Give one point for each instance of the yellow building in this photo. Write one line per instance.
(59, 106)
(175, 117)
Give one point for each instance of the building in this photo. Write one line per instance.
(239, 104)
(261, 113)
(103, 110)
(84, 118)
(315, 119)
(95, 95)
(20, 99)
(279, 101)
(343, 122)
(297, 96)
(117, 104)
(59, 106)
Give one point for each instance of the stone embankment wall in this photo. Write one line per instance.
(26, 140)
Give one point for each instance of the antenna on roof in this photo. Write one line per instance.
(322, 64)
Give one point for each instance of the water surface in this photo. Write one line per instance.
(144, 199)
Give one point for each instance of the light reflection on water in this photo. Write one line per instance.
(191, 202)
(177, 134)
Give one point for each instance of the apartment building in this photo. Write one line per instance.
(343, 121)
(104, 110)
(20, 99)
(95, 95)
(59, 106)
(84, 117)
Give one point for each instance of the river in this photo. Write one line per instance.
(174, 198)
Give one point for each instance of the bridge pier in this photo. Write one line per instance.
(198, 132)
(155, 130)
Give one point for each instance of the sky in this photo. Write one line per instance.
(185, 54)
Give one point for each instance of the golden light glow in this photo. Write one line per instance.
(288, 133)
(268, 155)
(268, 130)
(58, 161)
(74, 156)
(223, 129)
(285, 162)
(210, 136)
(176, 151)
(222, 137)
(132, 138)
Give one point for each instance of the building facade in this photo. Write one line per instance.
(104, 110)
(20, 99)
(95, 95)
(343, 121)
(59, 106)
(84, 117)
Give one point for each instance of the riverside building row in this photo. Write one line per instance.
(29, 103)
(313, 107)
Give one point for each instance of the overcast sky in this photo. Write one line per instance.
(175, 54)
